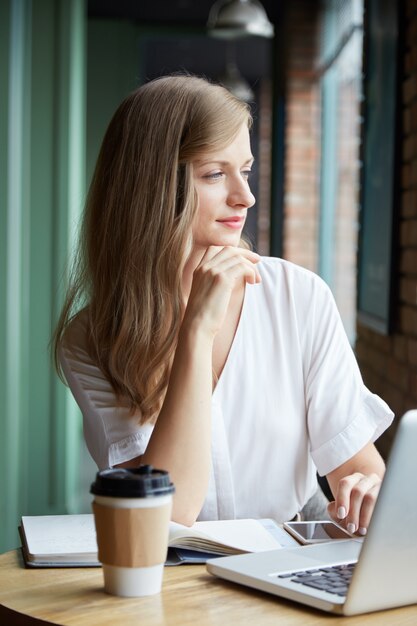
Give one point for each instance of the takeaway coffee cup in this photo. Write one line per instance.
(132, 510)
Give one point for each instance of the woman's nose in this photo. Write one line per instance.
(240, 195)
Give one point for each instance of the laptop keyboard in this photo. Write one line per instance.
(334, 579)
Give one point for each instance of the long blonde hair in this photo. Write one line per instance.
(136, 230)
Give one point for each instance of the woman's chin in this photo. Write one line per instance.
(226, 240)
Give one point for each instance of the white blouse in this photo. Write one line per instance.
(289, 402)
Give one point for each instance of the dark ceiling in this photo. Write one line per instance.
(173, 37)
(167, 12)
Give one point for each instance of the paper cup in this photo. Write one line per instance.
(132, 539)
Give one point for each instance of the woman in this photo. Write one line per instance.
(194, 354)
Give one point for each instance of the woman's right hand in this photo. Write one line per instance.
(214, 279)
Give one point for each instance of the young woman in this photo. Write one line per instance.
(186, 350)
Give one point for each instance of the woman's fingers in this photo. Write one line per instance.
(224, 258)
(222, 251)
(214, 280)
(232, 266)
(355, 501)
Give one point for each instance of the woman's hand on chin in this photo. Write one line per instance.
(214, 279)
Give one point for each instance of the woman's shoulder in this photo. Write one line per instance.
(74, 338)
(293, 292)
(275, 270)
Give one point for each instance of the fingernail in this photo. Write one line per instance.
(351, 528)
(341, 512)
(362, 531)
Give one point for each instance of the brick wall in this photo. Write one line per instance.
(265, 147)
(389, 363)
(301, 136)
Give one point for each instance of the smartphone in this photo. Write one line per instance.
(316, 532)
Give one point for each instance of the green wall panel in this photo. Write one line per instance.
(49, 140)
(42, 152)
(112, 71)
(15, 79)
(5, 425)
(41, 261)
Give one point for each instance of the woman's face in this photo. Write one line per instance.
(224, 197)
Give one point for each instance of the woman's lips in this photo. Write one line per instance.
(232, 222)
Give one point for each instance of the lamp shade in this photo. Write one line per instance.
(232, 19)
(235, 83)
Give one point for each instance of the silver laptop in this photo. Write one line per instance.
(352, 576)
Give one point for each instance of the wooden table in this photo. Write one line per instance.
(189, 596)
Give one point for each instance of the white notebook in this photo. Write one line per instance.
(70, 540)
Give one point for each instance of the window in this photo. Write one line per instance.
(340, 72)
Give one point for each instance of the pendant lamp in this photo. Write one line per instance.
(233, 80)
(233, 19)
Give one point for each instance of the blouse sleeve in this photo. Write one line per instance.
(342, 414)
(112, 433)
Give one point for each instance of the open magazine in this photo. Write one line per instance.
(70, 540)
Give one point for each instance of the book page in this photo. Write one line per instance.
(243, 535)
(60, 535)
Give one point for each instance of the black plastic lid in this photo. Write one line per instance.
(139, 482)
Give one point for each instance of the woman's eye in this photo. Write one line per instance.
(213, 175)
(220, 174)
